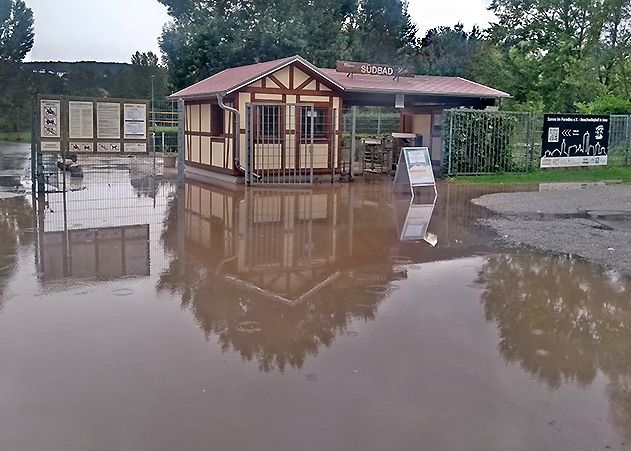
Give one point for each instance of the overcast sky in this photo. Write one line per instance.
(112, 30)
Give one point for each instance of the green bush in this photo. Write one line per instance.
(478, 142)
(606, 104)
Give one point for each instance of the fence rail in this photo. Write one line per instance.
(485, 142)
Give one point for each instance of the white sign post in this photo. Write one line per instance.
(415, 168)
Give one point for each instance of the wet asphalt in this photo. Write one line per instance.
(591, 222)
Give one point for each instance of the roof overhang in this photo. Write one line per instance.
(296, 59)
(305, 65)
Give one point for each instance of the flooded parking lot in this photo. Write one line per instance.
(136, 316)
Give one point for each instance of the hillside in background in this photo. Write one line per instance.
(83, 78)
(82, 66)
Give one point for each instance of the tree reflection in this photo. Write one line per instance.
(15, 218)
(260, 328)
(563, 321)
(277, 287)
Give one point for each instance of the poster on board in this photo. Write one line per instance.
(419, 166)
(50, 115)
(414, 168)
(574, 140)
(135, 120)
(135, 148)
(50, 146)
(108, 120)
(80, 120)
(78, 147)
(108, 147)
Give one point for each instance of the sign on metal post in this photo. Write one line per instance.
(574, 140)
(415, 168)
(353, 67)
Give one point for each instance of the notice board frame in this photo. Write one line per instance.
(575, 140)
(417, 178)
(62, 143)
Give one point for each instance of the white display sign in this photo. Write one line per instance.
(50, 146)
(564, 162)
(108, 147)
(419, 166)
(80, 120)
(75, 147)
(108, 120)
(135, 147)
(135, 118)
(50, 115)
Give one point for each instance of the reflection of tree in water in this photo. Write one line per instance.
(256, 325)
(15, 217)
(263, 329)
(563, 321)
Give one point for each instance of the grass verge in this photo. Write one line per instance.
(16, 137)
(553, 175)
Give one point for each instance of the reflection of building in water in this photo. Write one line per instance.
(104, 253)
(275, 274)
(283, 242)
(270, 273)
(102, 231)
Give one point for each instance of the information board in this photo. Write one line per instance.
(92, 125)
(50, 118)
(108, 120)
(574, 140)
(81, 120)
(415, 168)
(135, 121)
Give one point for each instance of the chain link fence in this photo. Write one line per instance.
(487, 142)
(619, 141)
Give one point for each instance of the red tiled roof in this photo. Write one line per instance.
(419, 85)
(230, 80)
(234, 78)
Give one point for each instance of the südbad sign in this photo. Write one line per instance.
(352, 67)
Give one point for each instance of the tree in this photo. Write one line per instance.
(564, 53)
(382, 31)
(206, 37)
(16, 40)
(449, 51)
(145, 59)
(143, 78)
(16, 30)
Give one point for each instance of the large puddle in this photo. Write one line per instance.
(137, 317)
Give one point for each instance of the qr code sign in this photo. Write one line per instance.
(553, 135)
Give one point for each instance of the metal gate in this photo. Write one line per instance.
(279, 141)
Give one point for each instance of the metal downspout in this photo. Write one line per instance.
(237, 134)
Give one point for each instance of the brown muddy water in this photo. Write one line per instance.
(137, 317)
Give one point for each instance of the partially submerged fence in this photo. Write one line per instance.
(484, 142)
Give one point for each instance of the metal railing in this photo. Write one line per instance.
(281, 144)
(619, 141)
